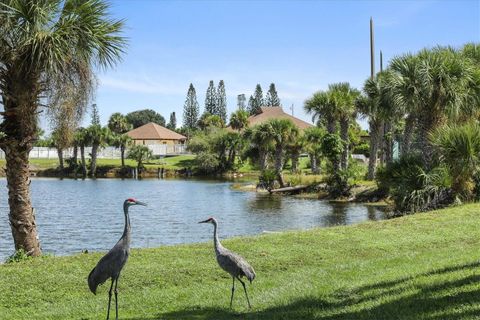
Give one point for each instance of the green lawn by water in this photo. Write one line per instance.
(418, 267)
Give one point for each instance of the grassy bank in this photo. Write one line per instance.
(418, 267)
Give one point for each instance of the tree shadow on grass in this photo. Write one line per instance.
(440, 300)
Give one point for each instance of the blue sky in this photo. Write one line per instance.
(301, 46)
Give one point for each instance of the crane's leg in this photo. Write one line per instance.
(109, 300)
(116, 299)
(233, 290)
(245, 289)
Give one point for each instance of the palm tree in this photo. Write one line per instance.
(260, 139)
(322, 108)
(98, 137)
(459, 148)
(376, 106)
(45, 45)
(81, 139)
(438, 85)
(282, 132)
(343, 97)
(239, 120)
(140, 154)
(119, 126)
(294, 148)
(313, 145)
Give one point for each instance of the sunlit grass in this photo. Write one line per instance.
(418, 267)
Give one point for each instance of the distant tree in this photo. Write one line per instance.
(140, 154)
(211, 99)
(221, 107)
(119, 126)
(258, 98)
(82, 139)
(140, 117)
(241, 101)
(98, 136)
(172, 124)
(208, 120)
(251, 106)
(190, 109)
(118, 123)
(272, 99)
(239, 120)
(95, 114)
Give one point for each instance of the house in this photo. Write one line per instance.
(268, 113)
(154, 134)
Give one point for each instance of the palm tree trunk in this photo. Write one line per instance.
(93, 164)
(22, 214)
(314, 163)
(388, 142)
(427, 123)
(331, 128)
(279, 165)
(408, 134)
(61, 164)
(84, 163)
(262, 160)
(75, 156)
(295, 157)
(122, 155)
(375, 131)
(344, 123)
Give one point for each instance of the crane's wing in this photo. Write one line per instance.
(109, 266)
(235, 264)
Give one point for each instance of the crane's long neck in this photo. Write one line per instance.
(126, 231)
(215, 237)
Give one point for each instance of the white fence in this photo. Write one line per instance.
(103, 153)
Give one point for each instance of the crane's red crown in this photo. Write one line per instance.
(131, 200)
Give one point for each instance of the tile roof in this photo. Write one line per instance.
(276, 113)
(153, 131)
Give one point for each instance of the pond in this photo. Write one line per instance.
(76, 215)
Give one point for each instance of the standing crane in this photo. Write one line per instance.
(231, 262)
(111, 264)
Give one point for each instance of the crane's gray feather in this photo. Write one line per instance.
(109, 266)
(234, 264)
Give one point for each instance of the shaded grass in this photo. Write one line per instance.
(417, 267)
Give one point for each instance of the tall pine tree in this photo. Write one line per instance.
(172, 124)
(241, 100)
(95, 115)
(221, 107)
(258, 102)
(211, 99)
(191, 109)
(272, 99)
(252, 106)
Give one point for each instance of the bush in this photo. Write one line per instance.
(412, 187)
(363, 148)
(207, 163)
(267, 179)
(140, 154)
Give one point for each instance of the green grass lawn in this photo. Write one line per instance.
(418, 267)
(177, 162)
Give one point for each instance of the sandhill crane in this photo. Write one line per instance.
(231, 262)
(111, 264)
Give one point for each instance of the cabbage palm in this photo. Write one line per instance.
(239, 120)
(260, 138)
(435, 84)
(98, 137)
(459, 148)
(313, 145)
(45, 45)
(81, 139)
(376, 106)
(282, 132)
(119, 126)
(322, 108)
(343, 97)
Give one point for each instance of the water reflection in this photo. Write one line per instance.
(74, 215)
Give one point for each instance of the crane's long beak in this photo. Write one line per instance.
(204, 221)
(141, 203)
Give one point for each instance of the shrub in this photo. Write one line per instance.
(18, 256)
(140, 154)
